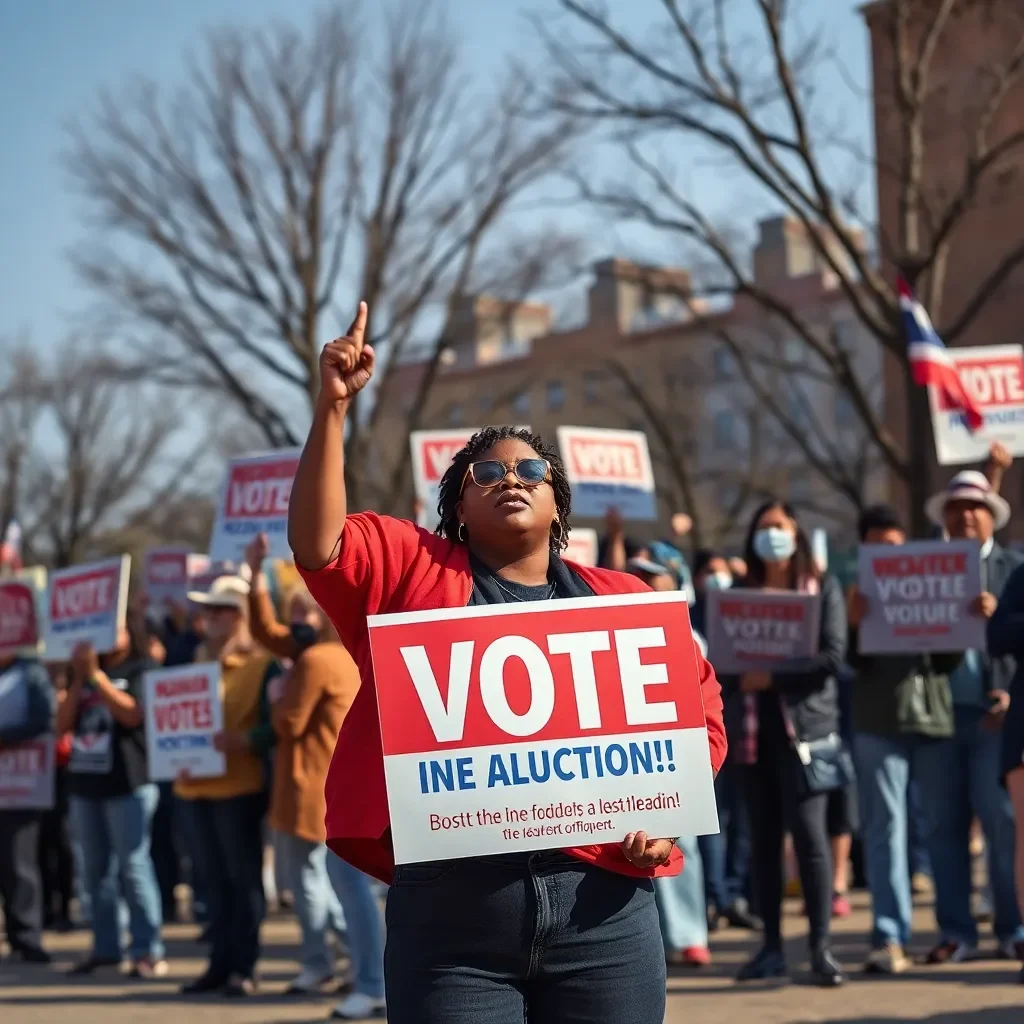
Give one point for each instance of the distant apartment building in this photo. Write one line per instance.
(643, 361)
(981, 35)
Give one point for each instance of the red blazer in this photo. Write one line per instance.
(391, 565)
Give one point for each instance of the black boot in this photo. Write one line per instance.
(826, 970)
(768, 963)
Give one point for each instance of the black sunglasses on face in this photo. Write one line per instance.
(490, 473)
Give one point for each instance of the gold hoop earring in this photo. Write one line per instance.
(460, 533)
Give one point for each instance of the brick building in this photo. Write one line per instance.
(715, 452)
(981, 35)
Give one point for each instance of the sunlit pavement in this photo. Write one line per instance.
(981, 992)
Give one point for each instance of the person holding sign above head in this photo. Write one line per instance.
(112, 801)
(790, 730)
(568, 936)
(960, 775)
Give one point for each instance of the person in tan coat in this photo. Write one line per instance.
(308, 704)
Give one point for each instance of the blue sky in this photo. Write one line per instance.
(55, 55)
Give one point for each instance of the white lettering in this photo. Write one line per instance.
(492, 686)
(447, 723)
(635, 676)
(581, 648)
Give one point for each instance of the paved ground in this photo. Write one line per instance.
(982, 992)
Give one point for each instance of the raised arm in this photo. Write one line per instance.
(317, 507)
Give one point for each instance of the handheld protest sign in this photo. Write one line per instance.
(758, 630)
(993, 376)
(22, 615)
(582, 546)
(541, 725)
(87, 604)
(27, 774)
(254, 499)
(918, 595)
(165, 575)
(608, 469)
(432, 452)
(183, 712)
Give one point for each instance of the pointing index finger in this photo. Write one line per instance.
(358, 328)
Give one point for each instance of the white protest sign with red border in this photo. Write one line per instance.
(254, 500)
(166, 573)
(183, 712)
(22, 614)
(541, 725)
(759, 630)
(582, 546)
(608, 469)
(87, 604)
(27, 775)
(994, 377)
(918, 597)
(432, 453)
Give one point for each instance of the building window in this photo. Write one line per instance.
(555, 395)
(725, 430)
(456, 414)
(592, 387)
(725, 363)
(521, 404)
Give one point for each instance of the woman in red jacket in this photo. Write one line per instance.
(561, 936)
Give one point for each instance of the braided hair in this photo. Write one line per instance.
(450, 492)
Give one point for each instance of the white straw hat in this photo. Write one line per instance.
(968, 485)
(224, 592)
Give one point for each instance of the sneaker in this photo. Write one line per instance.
(889, 959)
(1011, 949)
(694, 956)
(309, 982)
(148, 967)
(921, 884)
(358, 1006)
(92, 964)
(739, 915)
(950, 952)
(841, 905)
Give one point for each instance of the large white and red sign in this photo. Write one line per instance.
(432, 452)
(608, 469)
(994, 376)
(255, 500)
(918, 597)
(22, 599)
(760, 630)
(27, 775)
(87, 603)
(539, 726)
(582, 546)
(183, 712)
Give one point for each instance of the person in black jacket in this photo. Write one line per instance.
(797, 703)
(959, 776)
(901, 704)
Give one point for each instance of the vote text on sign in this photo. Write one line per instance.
(432, 452)
(994, 377)
(918, 595)
(608, 469)
(87, 603)
(538, 726)
(254, 500)
(759, 630)
(21, 613)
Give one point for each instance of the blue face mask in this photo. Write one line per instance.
(774, 544)
(717, 581)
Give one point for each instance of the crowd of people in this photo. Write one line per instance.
(922, 750)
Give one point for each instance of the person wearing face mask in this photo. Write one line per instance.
(726, 855)
(798, 703)
(960, 775)
(227, 811)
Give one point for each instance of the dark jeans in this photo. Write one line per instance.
(20, 888)
(56, 858)
(776, 802)
(726, 856)
(537, 937)
(165, 846)
(229, 844)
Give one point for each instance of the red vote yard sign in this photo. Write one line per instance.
(538, 726)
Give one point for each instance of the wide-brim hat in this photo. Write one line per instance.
(224, 592)
(969, 485)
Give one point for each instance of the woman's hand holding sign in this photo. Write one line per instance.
(642, 852)
(346, 364)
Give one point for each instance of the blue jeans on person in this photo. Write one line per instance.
(682, 909)
(365, 933)
(539, 937)
(726, 856)
(920, 862)
(302, 866)
(114, 837)
(229, 837)
(885, 766)
(959, 778)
